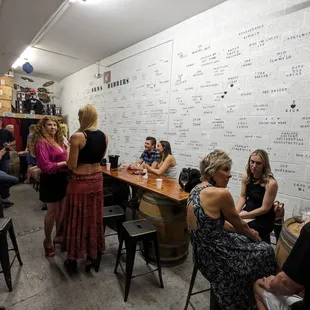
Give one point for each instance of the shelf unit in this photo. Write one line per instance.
(28, 116)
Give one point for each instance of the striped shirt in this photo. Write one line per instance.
(149, 158)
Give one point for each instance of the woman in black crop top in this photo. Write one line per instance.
(84, 234)
(258, 193)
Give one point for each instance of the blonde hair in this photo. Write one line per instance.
(214, 162)
(39, 132)
(88, 118)
(267, 174)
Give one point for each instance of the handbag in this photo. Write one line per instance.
(193, 177)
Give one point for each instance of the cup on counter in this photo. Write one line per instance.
(159, 183)
(108, 165)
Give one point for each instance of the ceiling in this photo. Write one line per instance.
(20, 21)
(87, 32)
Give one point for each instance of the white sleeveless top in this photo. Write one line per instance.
(171, 172)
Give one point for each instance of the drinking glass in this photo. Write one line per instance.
(301, 213)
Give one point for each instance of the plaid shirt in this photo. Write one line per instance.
(149, 158)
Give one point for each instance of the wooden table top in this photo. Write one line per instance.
(170, 188)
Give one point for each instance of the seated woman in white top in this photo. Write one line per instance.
(167, 165)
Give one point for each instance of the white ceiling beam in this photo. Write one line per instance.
(51, 22)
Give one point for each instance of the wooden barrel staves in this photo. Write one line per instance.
(14, 166)
(289, 234)
(169, 218)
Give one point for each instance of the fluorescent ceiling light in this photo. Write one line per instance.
(23, 57)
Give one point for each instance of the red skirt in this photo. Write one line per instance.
(84, 232)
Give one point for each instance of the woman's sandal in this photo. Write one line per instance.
(70, 265)
(92, 263)
(49, 251)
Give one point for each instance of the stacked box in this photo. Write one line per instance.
(6, 93)
(7, 81)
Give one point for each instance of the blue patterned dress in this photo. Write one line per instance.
(229, 261)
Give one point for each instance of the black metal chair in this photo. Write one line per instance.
(213, 303)
(132, 233)
(6, 225)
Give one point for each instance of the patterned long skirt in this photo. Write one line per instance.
(84, 234)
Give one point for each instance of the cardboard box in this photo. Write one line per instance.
(6, 93)
(5, 105)
(7, 81)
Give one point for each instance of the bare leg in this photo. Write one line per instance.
(60, 208)
(49, 222)
(259, 296)
(28, 174)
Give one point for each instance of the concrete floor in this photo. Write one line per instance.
(44, 284)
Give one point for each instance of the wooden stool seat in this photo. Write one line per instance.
(133, 232)
(6, 225)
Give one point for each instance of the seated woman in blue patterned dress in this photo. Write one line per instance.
(227, 252)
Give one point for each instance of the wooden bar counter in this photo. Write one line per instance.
(165, 208)
(170, 188)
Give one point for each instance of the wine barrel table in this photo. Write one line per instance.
(14, 166)
(165, 208)
(288, 236)
(169, 218)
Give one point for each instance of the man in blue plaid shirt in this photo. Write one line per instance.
(150, 155)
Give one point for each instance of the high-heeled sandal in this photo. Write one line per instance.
(70, 265)
(49, 252)
(93, 263)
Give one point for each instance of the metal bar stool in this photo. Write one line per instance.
(132, 233)
(213, 303)
(6, 225)
(113, 215)
(108, 198)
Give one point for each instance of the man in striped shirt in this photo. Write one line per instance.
(150, 155)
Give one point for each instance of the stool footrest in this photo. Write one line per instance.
(11, 264)
(198, 292)
(137, 275)
(109, 235)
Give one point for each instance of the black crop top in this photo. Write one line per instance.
(94, 148)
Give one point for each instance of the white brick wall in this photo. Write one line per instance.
(235, 77)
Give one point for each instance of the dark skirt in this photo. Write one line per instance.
(53, 187)
(31, 160)
(84, 232)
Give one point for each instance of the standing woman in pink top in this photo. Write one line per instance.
(51, 155)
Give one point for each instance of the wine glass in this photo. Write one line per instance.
(184, 179)
(301, 213)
